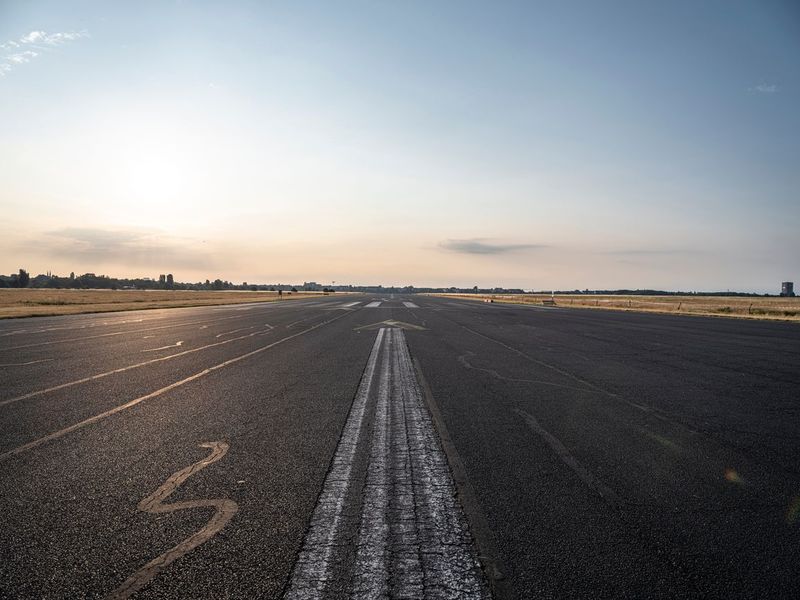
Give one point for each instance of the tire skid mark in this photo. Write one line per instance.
(541, 362)
(566, 457)
(225, 508)
(463, 359)
(655, 412)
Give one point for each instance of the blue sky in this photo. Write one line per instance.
(531, 144)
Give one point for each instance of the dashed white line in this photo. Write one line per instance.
(373, 305)
(410, 305)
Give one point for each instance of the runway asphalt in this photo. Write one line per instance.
(388, 446)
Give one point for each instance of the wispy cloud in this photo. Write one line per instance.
(764, 88)
(29, 46)
(482, 246)
(653, 252)
(21, 57)
(91, 247)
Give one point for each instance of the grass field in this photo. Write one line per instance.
(775, 308)
(45, 302)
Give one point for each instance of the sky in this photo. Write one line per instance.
(535, 145)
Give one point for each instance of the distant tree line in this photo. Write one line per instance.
(104, 282)
(167, 282)
(16, 280)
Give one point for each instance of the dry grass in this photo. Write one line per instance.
(45, 302)
(774, 308)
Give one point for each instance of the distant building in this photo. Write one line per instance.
(787, 289)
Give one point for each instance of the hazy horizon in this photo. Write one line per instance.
(528, 145)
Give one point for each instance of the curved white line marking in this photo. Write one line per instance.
(225, 509)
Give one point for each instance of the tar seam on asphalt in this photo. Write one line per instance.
(410, 537)
(225, 508)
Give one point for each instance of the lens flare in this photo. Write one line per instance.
(733, 477)
(794, 511)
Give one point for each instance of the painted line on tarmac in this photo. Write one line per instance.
(134, 332)
(293, 323)
(407, 536)
(159, 392)
(410, 305)
(175, 345)
(73, 327)
(568, 459)
(219, 335)
(154, 504)
(23, 364)
(373, 305)
(123, 369)
(313, 566)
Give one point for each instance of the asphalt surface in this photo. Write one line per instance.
(203, 452)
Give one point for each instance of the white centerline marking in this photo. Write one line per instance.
(373, 305)
(312, 569)
(410, 305)
(349, 304)
(405, 534)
